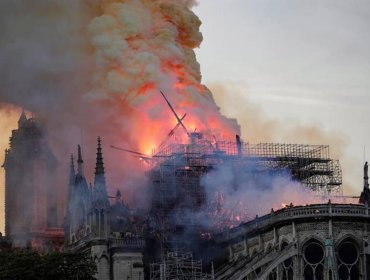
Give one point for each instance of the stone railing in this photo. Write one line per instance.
(127, 242)
(124, 242)
(291, 213)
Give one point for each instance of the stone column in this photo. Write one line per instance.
(296, 270)
(330, 259)
(245, 247)
(231, 254)
(275, 237)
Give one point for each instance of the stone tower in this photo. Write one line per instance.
(365, 194)
(30, 187)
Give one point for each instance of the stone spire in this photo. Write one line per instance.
(366, 176)
(365, 195)
(118, 196)
(99, 169)
(99, 181)
(71, 190)
(80, 162)
(100, 202)
(72, 178)
(22, 119)
(72, 173)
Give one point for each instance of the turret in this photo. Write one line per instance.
(366, 176)
(22, 120)
(72, 173)
(80, 183)
(72, 177)
(71, 188)
(365, 195)
(80, 162)
(118, 196)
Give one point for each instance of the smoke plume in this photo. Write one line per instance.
(247, 191)
(235, 193)
(257, 127)
(89, 68)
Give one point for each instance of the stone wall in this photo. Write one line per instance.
(329, 240)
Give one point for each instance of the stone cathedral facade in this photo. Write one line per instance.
(313, 242)
(111, 232)
(31, 213)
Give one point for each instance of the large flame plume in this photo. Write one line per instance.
(141, 47)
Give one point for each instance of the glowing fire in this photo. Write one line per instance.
(286, 205)
(142, 47)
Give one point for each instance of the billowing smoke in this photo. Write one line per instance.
(258, 127)
(43, 61)
(250, 190)
(139, 48)
(235, 193)
(96, 67)
(89, 68)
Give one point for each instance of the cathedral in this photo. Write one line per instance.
(319, 241)
(111, 232)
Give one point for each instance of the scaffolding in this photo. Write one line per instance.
(176, 171)
(311, 165)
(179, 266)
(177, 196)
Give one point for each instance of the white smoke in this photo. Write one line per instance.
(250, 190)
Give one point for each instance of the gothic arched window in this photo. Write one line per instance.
(103, 267)
(286, 266)
(348, 260)
(313, 256)
(273, 275)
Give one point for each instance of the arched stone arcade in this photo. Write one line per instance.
(316, 242)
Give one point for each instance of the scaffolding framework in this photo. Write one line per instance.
(179, 266)
(309, 164)
(176, 171)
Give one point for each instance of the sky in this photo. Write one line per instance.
(301, 63)
(289, 71)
